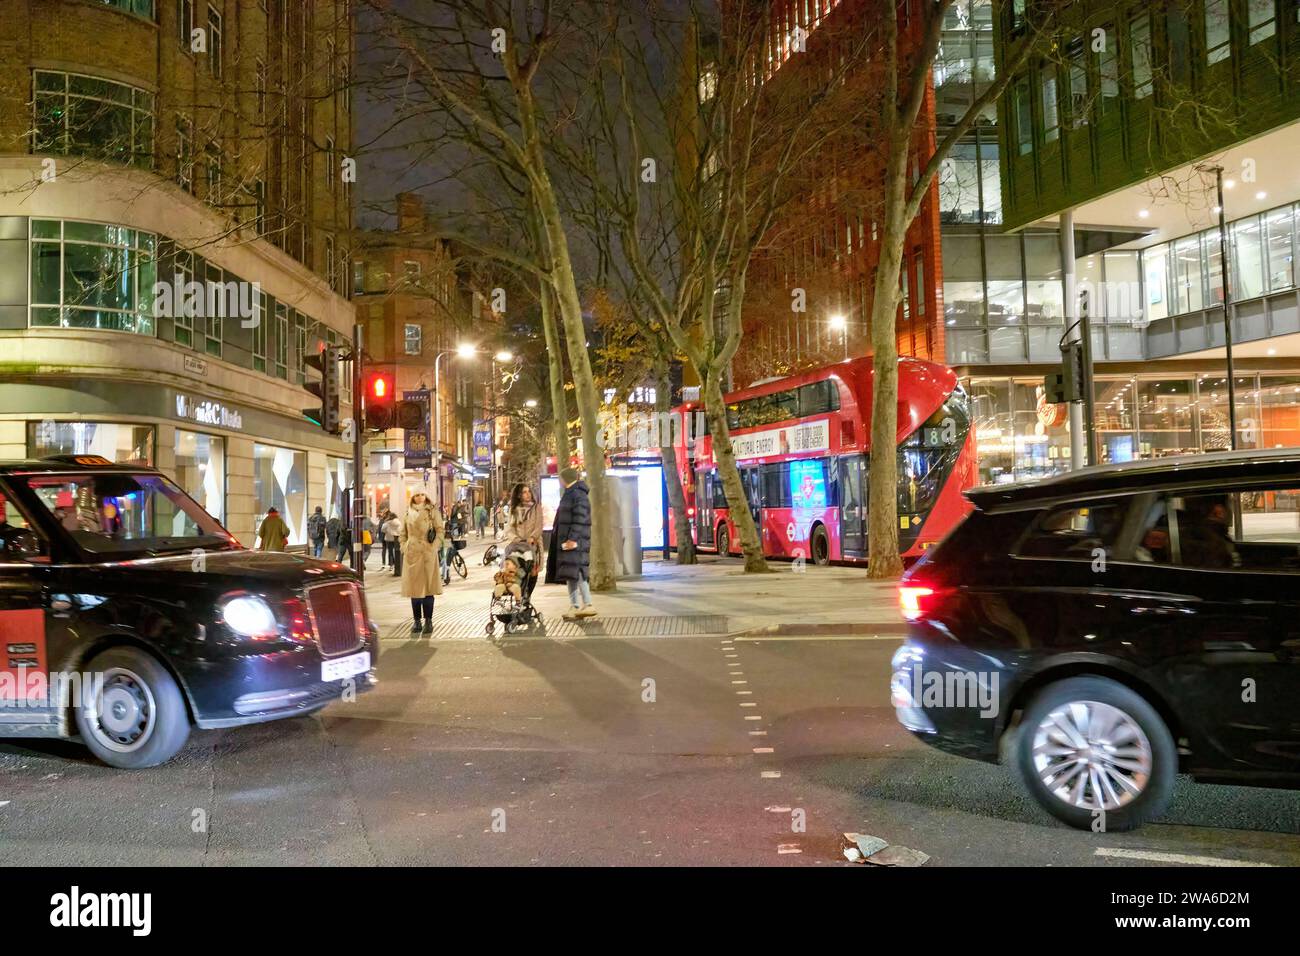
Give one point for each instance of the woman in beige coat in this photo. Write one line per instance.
(421, 576)
(524, 531)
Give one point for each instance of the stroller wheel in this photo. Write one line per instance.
(491, 628)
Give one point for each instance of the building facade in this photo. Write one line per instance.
(810, 286)
(174, 214)
(418, 308)
(1112, 126)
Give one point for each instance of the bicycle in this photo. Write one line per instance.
(454, 561)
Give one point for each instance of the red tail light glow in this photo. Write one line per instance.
(911, 600)
(690, 512)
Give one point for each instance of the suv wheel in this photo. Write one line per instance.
(1096, 755)
(137, 718)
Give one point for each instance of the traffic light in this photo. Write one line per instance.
(379, 402)
(409, 415)
(1067, 384)
(326, 361)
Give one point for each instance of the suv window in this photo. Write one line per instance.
(1075, 531)
(1255, 530)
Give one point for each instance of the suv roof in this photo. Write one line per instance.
(1150, 474)
(65, 463)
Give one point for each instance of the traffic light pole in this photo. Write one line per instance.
(358, 445)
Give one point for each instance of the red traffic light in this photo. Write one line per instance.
(379, 387)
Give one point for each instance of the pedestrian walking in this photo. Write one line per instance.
(392, 537)
(480, 519)
(573, 532)
(368, 531)
(422, 541)
(333, 528)
(316, 525)
(345, 541)
(273, 533)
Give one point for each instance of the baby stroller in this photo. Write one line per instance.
(515, 613)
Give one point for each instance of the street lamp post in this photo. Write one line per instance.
(841, 325)
(464, 350)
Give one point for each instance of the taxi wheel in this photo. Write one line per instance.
(1096, 755)
(138, 718)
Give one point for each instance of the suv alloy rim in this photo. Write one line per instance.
(1092, 755)
(123, 713)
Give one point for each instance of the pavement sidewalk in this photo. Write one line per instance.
(667, 599)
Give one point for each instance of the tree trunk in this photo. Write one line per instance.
(555, 377)
(724, 458)
(672, 477)
(883, 560)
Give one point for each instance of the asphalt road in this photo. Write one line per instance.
(551, 752)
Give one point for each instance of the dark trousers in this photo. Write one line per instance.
(425, 603)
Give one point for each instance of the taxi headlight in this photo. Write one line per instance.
(249, 616)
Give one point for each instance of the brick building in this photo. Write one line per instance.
(176, 142)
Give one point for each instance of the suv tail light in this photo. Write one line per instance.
(917, 601)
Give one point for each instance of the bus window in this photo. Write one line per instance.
(776, 487)
(817, 398)
(808, 484)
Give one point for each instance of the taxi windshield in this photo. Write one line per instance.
(120, 513)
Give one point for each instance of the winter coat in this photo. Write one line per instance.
(525, 525)
(274, 533)
(333, 528)
(316, 527)
(573, 523)
(421, 575)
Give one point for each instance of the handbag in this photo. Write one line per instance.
(431, 536)
(365, 538)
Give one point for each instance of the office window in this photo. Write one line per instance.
(1051, 116)
(1218, 34)
(212, 160)
(183, 312)
(259, 89)
(214, 43)
(217, 309)
(86, 115)
(331, 166)
(1139, 38)
(281, 340)
(1108, 75)
(259, 206)
(259, 331)
(185, 154)
(1261, 19)
(92, 276)
(184, 22)
(1023, 119)
(1079, 105)
(1280, 248)
(414, 334)
(331, 264)
(300, 347)
(1247, 258)
(1187, 274)
(141, 8)
(358, 278)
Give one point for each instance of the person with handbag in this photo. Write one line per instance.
(392, 539)
(421, 538)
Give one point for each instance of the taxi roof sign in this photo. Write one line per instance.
(78, 459)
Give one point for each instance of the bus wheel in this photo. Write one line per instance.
(724, 540)
(819, 547)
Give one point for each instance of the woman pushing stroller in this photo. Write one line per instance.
(521, 560)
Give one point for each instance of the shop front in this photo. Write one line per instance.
(1020, 437)
(235, 460)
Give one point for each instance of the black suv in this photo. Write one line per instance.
(1115, 626)
(127, 613)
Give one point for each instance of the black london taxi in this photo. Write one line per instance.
(1107, 629)
(128, 614)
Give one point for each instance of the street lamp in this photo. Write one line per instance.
(465, 350)
(841, 325)
(531, 403)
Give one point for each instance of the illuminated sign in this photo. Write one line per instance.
(791, 440)
(208, 413)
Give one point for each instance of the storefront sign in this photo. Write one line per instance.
(482, 443)
(417, 446)
(793, 439)
(208, 413)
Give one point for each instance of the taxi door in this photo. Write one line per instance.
(26, 579)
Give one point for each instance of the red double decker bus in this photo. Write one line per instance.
(803, 445)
